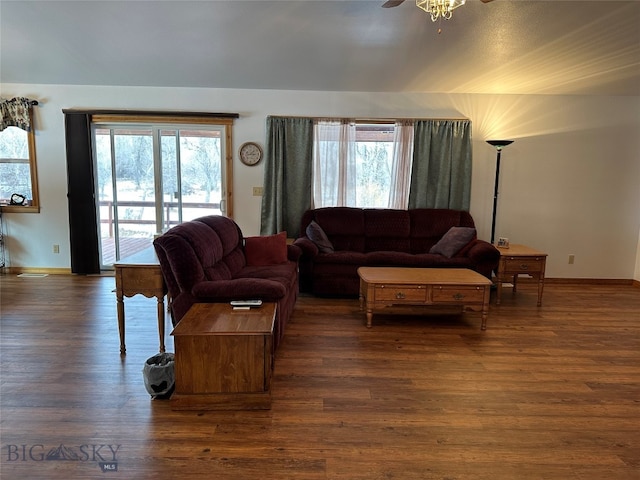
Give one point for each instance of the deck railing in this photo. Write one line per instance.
(167, 206)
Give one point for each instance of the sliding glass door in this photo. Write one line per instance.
(152, 177)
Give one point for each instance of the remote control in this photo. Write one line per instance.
(246, 303)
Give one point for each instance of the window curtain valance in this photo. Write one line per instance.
(16, 112)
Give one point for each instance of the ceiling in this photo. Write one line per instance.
(506, 47)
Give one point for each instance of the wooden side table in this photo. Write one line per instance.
(520, 260)
(140, 274)
(224, 358)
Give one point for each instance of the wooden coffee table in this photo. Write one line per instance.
(411, 288)
(224, 358)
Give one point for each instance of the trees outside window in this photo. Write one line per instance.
(152, 177)
(357, 164)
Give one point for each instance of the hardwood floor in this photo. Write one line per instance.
(549, 392)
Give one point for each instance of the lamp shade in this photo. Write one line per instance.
(499, 143)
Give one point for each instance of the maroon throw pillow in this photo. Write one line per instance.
(453, 241)
(266, 249)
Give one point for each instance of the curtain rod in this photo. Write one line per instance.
(149, 113)
(371, 120)
(391, 120)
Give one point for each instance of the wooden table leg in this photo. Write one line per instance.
(123, 348)
(540, 289)
(485, 307)
(369, 317)
(161, 323)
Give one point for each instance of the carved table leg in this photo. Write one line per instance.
(369, 317)
(540, 289)
(161, 323)
(485, 307)
(120, 304)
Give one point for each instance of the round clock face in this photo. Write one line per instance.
(250, 153)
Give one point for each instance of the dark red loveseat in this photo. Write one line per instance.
(382, 237)
(204, 261)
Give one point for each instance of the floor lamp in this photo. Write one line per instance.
(499, 144)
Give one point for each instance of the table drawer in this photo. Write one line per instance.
(523, 265)
(444, 293)
(400, 293)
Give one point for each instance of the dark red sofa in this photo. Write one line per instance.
(205, 261)
(382, 237)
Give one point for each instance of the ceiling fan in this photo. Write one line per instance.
(438, 9)
(395, 3)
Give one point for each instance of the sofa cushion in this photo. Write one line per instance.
(316, 234)
(387, 230)
(284, 273)
(239, 288)
(342, 257)
(434, 260)
(453, 241)
(266, 249)
(344, 226)
(390, 259)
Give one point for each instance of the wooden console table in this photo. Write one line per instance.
(520, 260)
(412, 288)
(224, 358)
(140, 274)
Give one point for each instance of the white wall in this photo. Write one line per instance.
(570, 184)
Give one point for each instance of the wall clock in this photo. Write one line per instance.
(250, 153)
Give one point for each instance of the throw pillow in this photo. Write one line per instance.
(316, 234)
(266, 249)
(453, 241)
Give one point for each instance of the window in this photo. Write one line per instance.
(374, 164)
(364, 165)
(151, 176)
(18, 177)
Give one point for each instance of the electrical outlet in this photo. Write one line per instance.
(257, 191)
(56, 249)
(572, 259)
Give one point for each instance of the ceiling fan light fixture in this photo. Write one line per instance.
(439, 8)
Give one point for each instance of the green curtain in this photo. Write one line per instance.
(287, 174)
(441, 171)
